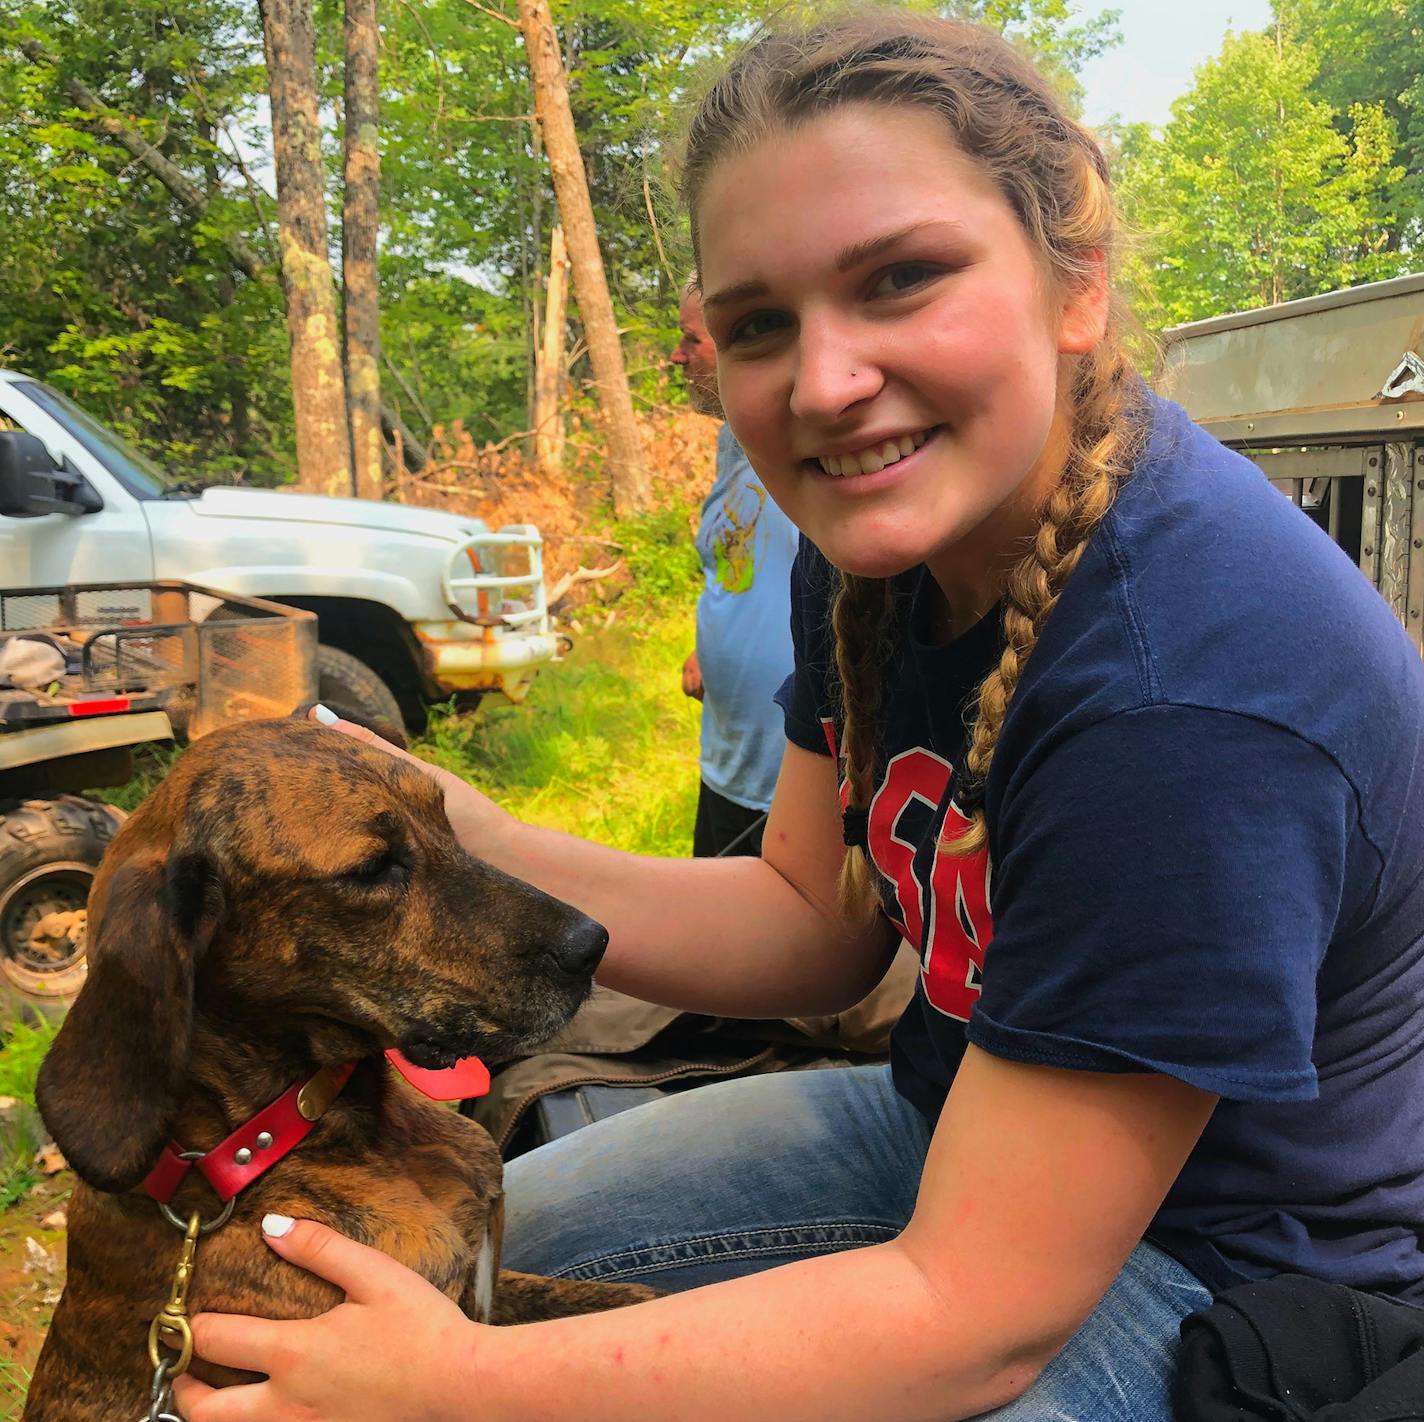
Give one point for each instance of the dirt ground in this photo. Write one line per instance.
(31, 1276)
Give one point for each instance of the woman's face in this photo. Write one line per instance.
(874, 298)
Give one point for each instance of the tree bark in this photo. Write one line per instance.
(243, 256)
(318, 384)
(549, 368)
(359, 228)
(551, 105)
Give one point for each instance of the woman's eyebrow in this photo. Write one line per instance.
(849, 257)
(743, 291)
(859, 252)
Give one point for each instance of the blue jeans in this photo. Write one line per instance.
(737, 1177)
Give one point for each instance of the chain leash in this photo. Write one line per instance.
(170, 1335)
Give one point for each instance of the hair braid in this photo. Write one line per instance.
(1002, 113)
(860, 615)
(1106, 438)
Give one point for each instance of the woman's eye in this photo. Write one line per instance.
(381, 871)
(908, 276)
(756, 327)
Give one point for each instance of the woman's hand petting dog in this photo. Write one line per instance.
(477, 821)
(397, 1344)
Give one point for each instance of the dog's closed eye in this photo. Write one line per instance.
(387, 869)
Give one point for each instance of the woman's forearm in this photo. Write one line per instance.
(842, 1338)
(728, 937)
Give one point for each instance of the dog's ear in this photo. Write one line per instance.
(109, 1088)
(383, 729)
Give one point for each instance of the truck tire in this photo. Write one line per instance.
(49, 850)
(346, 684)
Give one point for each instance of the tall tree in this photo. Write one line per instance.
(360, 224)
(1372, 54)
(548, 416)
(318, 383)
(1252, 195)
(551, 98)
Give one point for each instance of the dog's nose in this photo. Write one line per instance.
(578, 952)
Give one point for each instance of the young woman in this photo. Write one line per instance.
(1167, 888)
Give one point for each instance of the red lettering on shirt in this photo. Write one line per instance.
(960, 928)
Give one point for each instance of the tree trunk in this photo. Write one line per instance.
(551, 104)
(359, 228)
(244, 258)
(318, 386)
(549, 368)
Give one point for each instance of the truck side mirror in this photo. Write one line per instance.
(31, 483)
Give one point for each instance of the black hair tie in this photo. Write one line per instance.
(969, 797)
(968, 793)
(855, 828)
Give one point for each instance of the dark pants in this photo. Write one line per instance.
(719, 822)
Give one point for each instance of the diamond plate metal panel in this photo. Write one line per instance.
(1396, 525)
(1414, 620)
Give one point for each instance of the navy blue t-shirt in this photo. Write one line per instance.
(1206, 858)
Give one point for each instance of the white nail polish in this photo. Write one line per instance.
(324, 714)
(276, 1226)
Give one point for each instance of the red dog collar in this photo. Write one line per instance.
(257, 1145)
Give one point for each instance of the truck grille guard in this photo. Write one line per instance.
(475, 594)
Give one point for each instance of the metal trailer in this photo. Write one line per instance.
(134, 662)
(1326, 396)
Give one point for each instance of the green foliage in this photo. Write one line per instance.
(1258, 191)
(111, 287)
(151, 764)
(661, 557)
(14, 1384)
(1371, 59)
(125, 299)
(23, 1050)
(604, 747)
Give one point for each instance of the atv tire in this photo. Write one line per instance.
(49, 850)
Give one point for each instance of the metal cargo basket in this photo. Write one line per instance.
(208, 659)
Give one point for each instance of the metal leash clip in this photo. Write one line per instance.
(170, 1329)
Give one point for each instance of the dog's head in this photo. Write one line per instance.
(289, 885)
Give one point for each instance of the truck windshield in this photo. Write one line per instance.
(136, 472)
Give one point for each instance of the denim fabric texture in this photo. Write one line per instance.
(729, 1179)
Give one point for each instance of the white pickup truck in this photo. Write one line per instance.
(414, 605)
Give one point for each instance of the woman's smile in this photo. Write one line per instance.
(874, 455)
(888, 352)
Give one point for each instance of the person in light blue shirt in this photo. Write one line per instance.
(743, 651)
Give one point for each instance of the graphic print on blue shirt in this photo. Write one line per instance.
(1206, 827)
(746, 546)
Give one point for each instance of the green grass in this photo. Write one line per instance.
(605, 746)
(14, 1384)
(20, 1057)
(151, 764)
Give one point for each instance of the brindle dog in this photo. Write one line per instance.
(289, 899)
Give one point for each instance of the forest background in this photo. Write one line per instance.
(148, 269)
(1295, 164)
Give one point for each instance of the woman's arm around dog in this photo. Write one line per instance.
(735, 937)
(1039, 1183)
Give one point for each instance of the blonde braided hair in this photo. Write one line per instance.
(860, 615)
(1001, 112)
